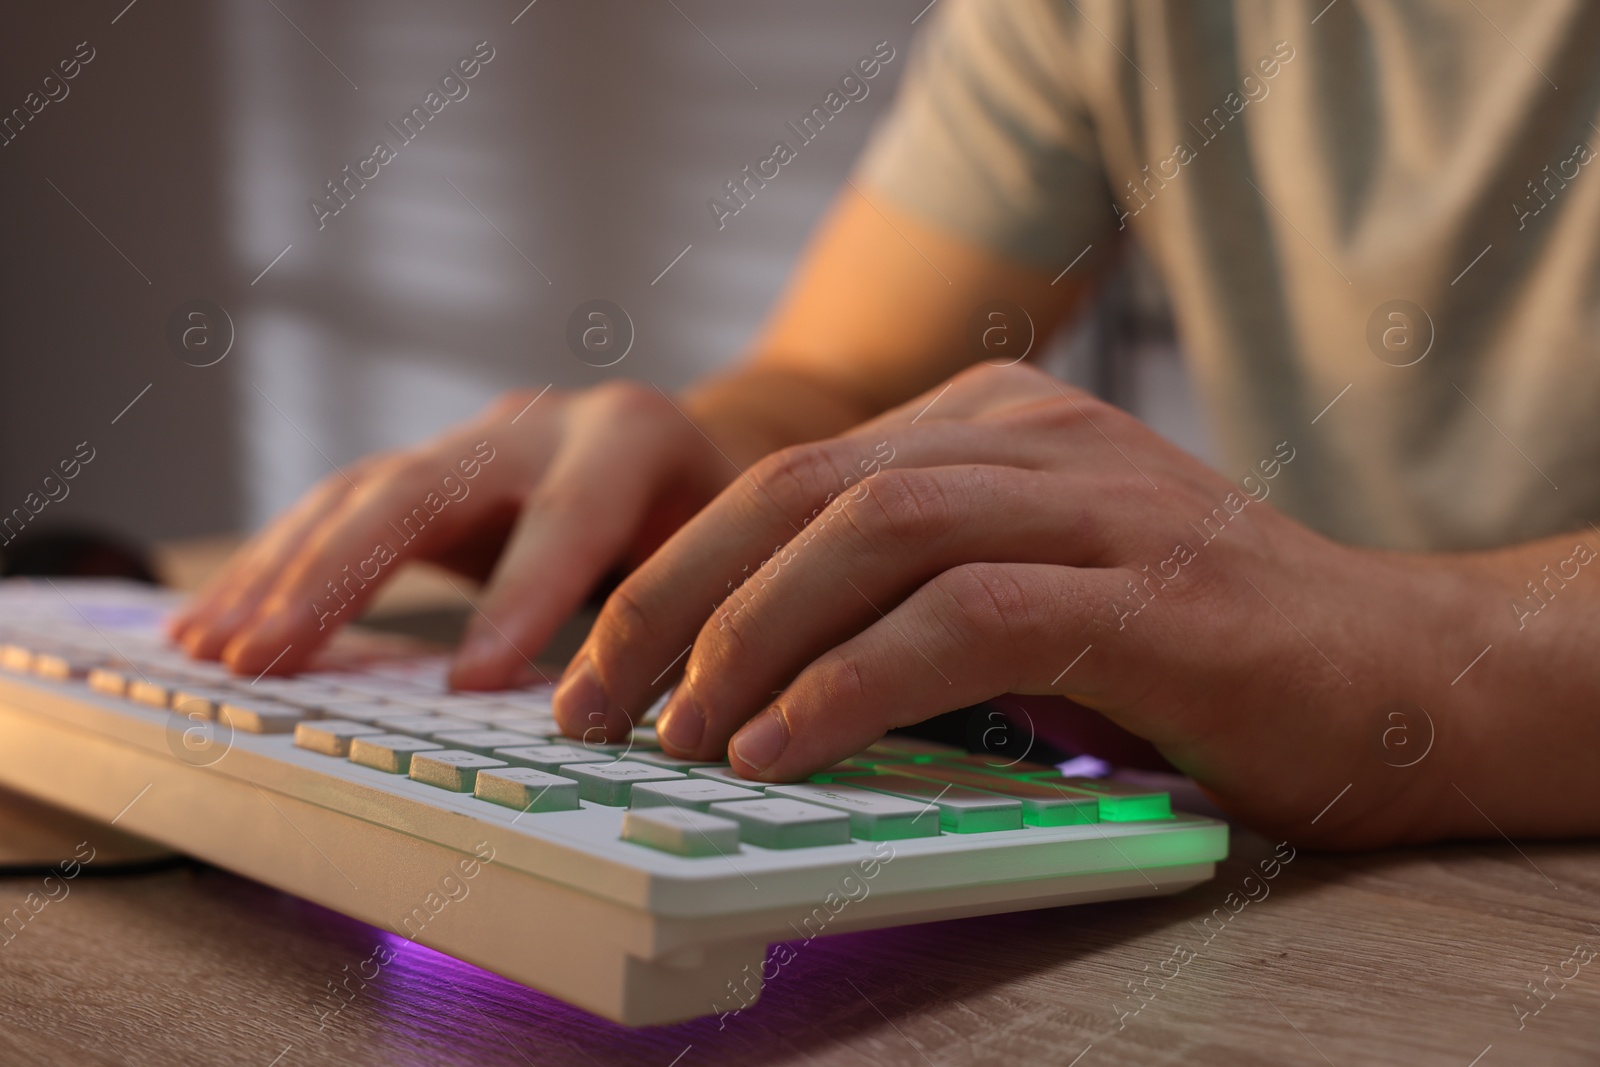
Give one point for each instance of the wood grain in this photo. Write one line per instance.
(1409, 957)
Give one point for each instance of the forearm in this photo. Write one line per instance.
(1517, 719)
(761, 407)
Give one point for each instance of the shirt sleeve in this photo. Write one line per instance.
(990, 137)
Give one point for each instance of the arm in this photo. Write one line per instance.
(875, 314)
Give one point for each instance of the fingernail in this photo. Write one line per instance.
(681, 725)
(762, 740)
(579, 702)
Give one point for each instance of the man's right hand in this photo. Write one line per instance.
(540, 495)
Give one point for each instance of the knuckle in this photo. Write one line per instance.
(908, 507)
(840, 680)
(794, 477)
(984, 597)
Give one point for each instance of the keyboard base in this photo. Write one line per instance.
(624, 963)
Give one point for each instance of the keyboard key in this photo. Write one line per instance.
(389, 752)
(547, 757)
(112, 683)
(611, 783)
(452, 769)
(262, 716)
(482, 742)
(1120, 801)
(873, 816)
(671, 763)
(64, 666)
(726, 774)
(331, 737)
(526, 789)
(1042, 805)
(681, 831)
(368, 711)
(910, 749)
(776, 822)
(961, 810)
(544, 730)
(422, 725)
(190, 702)
(989, 763)
(696, 793)
(16, 657)
(151, 694)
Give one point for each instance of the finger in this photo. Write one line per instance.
(411, 506)
(625, 447)
(652, 618)
(232, 596)
(973, 633)
(860, 559)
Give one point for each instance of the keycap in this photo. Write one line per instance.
(526, 789)
(1041, 804)
(190, 702)
(989, 763)
(681, 831)
(910, 749)
(422, 725)
(776, 822)
(482, 742)
(452, 769)
(646, 735)
(331, 737)
(961, 810)
(112, 683)
(548, 757)
(389, 752)
(16, 657)
(545, 730)
(1120, 801)
(873, 816)
(64, 666)
(368, 711)
(610, 783)
(626, 749)
(152, 694)
(724, 773)
(696, 793)
(671, 763)
(262, 716)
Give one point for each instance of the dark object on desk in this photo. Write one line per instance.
(75, 553)
(34, 836)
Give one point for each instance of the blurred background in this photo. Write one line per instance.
(180, 165)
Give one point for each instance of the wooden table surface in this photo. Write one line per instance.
(1415, 957)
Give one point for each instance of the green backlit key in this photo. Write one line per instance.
(907, 750)
(1119, 801)
(961, 810)
(1042, 805)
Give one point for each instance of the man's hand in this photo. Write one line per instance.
(542, 495)
(1014, 535)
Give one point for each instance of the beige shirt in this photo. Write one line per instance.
(1293, 170)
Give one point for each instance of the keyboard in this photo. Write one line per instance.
(642, 888)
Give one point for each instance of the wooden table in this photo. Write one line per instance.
(1415, 957)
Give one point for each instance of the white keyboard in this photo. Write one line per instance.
(642, 888)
